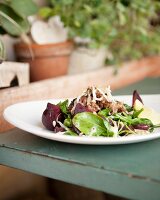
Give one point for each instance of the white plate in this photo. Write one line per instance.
(27, 116)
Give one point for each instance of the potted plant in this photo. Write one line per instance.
(46, 60)
(13, 18)
(114, 31)
(49, 54)
(13, 21)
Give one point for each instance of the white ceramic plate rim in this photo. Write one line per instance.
(42, 132)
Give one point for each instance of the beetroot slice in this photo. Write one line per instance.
(135, 97)
(50, 114)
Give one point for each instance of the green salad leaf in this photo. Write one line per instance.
(127, 118)
(68, 122)
(104, 112)
(151, 129)
(111, 130)
(132, 121)
(128, 108)
(136, 113)
(89, 124)
(70, 132)
(142, 121)
(64, 107)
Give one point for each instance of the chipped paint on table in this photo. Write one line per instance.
(131, 171)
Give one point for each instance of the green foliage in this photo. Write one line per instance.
(2, 52)
(45, 12)
(11, 22)
(13, 19)
(13, 16)
(122, 26)
(24, 8)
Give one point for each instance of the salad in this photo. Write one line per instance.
(96, 113)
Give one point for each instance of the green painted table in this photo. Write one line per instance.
(131, 171)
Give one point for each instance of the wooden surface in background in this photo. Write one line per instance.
(73, 85)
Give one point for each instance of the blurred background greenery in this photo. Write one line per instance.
(129, 29)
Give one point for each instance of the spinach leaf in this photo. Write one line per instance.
(130, 121)
(104, 112)
(64, 107)
(70, 132)
(136, 113)
(68, 122)
(111, 130)
(128, 108)
(156, 126)
(126, 119)
(89, 124)
(142, 121)
(151, 129)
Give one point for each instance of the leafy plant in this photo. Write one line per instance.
(13, 16)
(2, 52)
(121, 26)
(13, 19)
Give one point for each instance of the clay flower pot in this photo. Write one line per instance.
(46, 61)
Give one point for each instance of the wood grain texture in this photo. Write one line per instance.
(11, 186)
(10, 70)
(73, 85)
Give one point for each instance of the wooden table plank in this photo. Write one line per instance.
(123, 158)
(146, 86)
(131, 171)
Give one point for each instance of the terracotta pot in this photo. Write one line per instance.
(46, 61)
